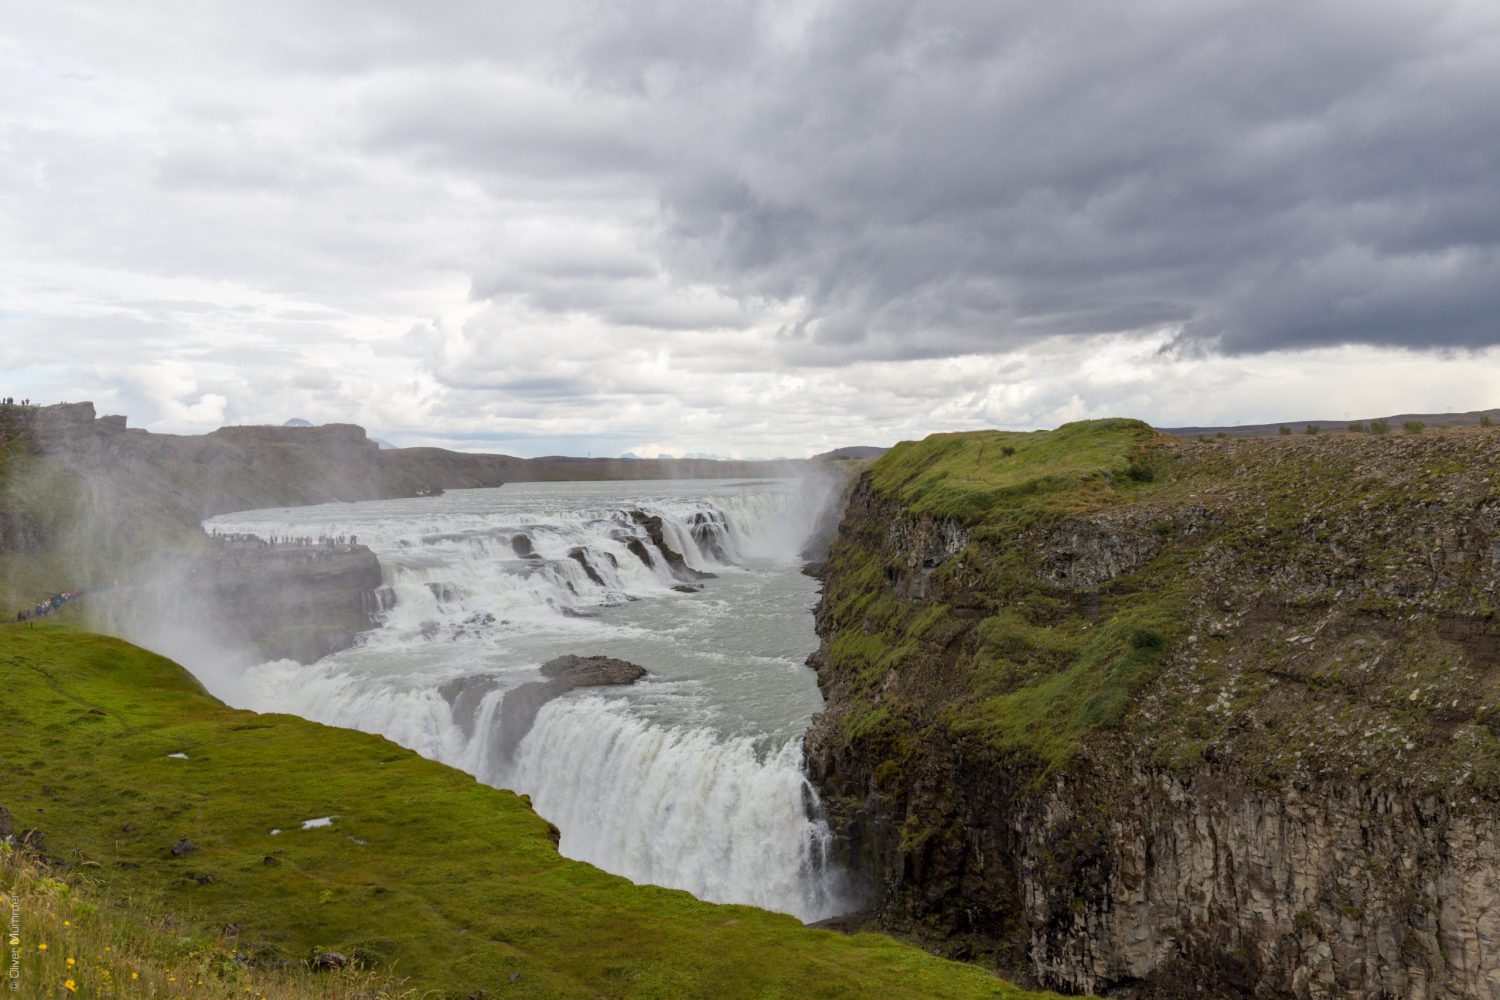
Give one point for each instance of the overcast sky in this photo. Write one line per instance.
(748, 228)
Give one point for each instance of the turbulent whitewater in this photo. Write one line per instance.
(690, 778)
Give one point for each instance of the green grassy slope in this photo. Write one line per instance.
(1030, 675)
(1380, 546)
(424, 871)
(994, 477)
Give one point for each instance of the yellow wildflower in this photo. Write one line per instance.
(70, 963)
(134, 976)
(67, 923)
(41, 947)
(70, 986)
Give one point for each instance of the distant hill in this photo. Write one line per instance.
(298, 422)
(243, 467)
(852, 451)
(1467, 419)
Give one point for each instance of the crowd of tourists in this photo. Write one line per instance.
(345, 542)
(45, 609)
(234, 548)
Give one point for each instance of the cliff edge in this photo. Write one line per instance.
(1138, 716)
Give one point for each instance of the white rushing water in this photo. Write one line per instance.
(690, 778)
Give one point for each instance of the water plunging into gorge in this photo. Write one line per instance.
(691, 777)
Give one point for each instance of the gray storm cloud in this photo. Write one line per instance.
(943, 178)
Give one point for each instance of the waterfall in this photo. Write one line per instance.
(693, 777)
(724, 819)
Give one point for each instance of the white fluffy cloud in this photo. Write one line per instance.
(755, 228)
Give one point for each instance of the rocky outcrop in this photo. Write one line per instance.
(520, 705)
(299, 603)
(1331, 889)
(571, 672)
(580, 555)
(1286, 784)
(269, 602)
(656, 532)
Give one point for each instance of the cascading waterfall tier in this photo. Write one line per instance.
(691, 778)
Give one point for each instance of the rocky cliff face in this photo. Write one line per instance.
(245, 602)
(292, 602)
(84, 501)
(1201, 718)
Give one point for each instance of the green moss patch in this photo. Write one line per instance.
(981, 476)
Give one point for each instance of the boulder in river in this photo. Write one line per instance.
(592, 671)
(519, 706)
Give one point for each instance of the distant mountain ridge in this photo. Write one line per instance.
(857, 451)
(1470, 418)
(250, 466)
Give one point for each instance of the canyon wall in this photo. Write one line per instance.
(1134, 716)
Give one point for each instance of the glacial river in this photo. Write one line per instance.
(690, 778)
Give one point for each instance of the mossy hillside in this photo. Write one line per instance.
(424, 872)
(1014, 666)
(1001, 478)
(1305, 605)
(1341, 619)
(1025, 687)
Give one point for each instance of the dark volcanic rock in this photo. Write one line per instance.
(592, 671)
(523, 547)
(1298, 799)
(520, 705)
(464, 696)
(283, 601)
(709, 528)
(637, 548)
(657, 533)
(183, 846)
(581, 556)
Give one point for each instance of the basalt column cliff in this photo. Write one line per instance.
(1139, 716)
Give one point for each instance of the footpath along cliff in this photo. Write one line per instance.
(1132, 715)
